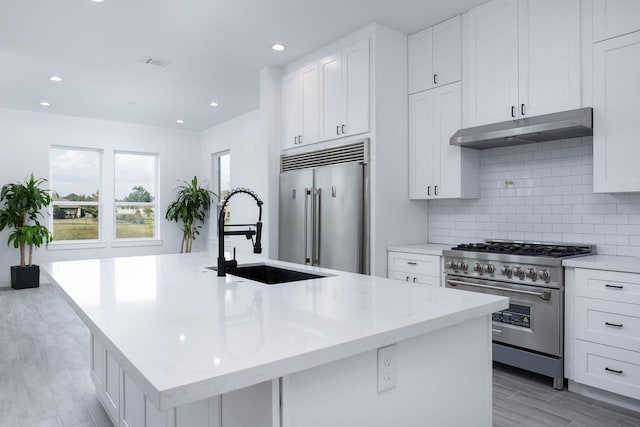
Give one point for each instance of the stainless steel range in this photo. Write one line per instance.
(529, 334)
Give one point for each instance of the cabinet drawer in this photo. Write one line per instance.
(608, 368)
(426, 265)
(608, 285)
(611, 323)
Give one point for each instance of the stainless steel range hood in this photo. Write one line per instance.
(549, 127)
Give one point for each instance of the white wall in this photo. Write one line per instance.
(551, 199)
(241, 137)
(25, 138)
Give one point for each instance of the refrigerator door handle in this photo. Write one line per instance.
(307, 193)
(316, 226)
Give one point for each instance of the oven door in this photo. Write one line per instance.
(533, 320)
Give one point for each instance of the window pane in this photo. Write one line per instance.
(76, 222)
(75, 179)
(135, 177)
(135, 222)
(224, 184)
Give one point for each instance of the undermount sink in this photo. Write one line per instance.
(269, 274)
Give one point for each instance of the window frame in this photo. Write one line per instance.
(216, 180)
(155, 204)
(79, 243)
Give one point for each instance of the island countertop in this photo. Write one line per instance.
(185, 334)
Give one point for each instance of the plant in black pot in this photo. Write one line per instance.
(23, 203)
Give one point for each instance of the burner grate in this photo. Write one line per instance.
(525, 248)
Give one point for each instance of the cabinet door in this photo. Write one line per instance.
(447, 120)
(309, 104)
(447, 52)
(615, 100)
(420, 51)
(549, 56)
(612, 18)
(492, 84)
(421, 135)
(290, 109)
(355, 70)
(331, 99)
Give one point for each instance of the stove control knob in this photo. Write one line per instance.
(455, 265)
(507, 271)
(518, 272)
(544, 275)
(490, 268)
(451, 264)
(464, 266)
(531, 274)
(478, 267)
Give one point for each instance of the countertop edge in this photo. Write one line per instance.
(420, 248)
(625, 264)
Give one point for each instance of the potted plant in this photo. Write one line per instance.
(190, 208)
(23, 202)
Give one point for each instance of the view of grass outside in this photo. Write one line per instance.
(135, 222)
(76, 229)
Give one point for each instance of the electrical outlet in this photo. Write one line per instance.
(387, 364)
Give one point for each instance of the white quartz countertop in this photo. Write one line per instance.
(184, 334)
(421, 248)
(626, 264)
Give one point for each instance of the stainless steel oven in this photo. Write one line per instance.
(529, 334)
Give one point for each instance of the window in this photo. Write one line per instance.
(135, 190)
(222, 179)
(75, 184)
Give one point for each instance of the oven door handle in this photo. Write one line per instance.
(544, 295)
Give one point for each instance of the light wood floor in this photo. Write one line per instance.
(44, 376)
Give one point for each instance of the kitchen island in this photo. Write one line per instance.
(172, 344)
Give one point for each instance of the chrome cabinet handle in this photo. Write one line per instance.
(343, 129)
(429, 190)
(613, 286)
(615, 325)
(513, 111)
(615, 371)
(435, 190)
(522, 109)
(295, 139)
(414, 280)
(544, 295)
(435, 79)
(407, 279)
(412, 263)
(299, 139)
(338, 130)
(307, 192)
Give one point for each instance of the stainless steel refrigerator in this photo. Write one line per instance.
(324, 208)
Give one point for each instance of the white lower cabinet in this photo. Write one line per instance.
(127, 405)
(414, 268)
(603, 330)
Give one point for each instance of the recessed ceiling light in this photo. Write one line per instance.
(180, 121)
(45, 104)
(278, 47)
(55, 78)
(214, 104)
(97, 1)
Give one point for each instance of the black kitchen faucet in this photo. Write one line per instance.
(224, 264)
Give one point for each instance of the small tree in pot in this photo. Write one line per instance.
(23, 203)
(190, 208)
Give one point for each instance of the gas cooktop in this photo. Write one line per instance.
(554, 250)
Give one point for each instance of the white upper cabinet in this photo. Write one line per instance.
(344, 92)
(491, 84)
(436, 168)
(549, 56)
(616, 67)
(299, 106)
(523, 59)
(612, 18)
(435, 56)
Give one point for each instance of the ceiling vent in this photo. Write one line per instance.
(158, 62)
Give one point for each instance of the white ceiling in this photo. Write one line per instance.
(216, 49)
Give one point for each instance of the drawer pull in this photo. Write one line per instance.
(615, 371)
(407, 279)
(412, 263)
(615, 325)
(614, 286)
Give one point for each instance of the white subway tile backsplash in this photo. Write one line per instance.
(551, 199)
